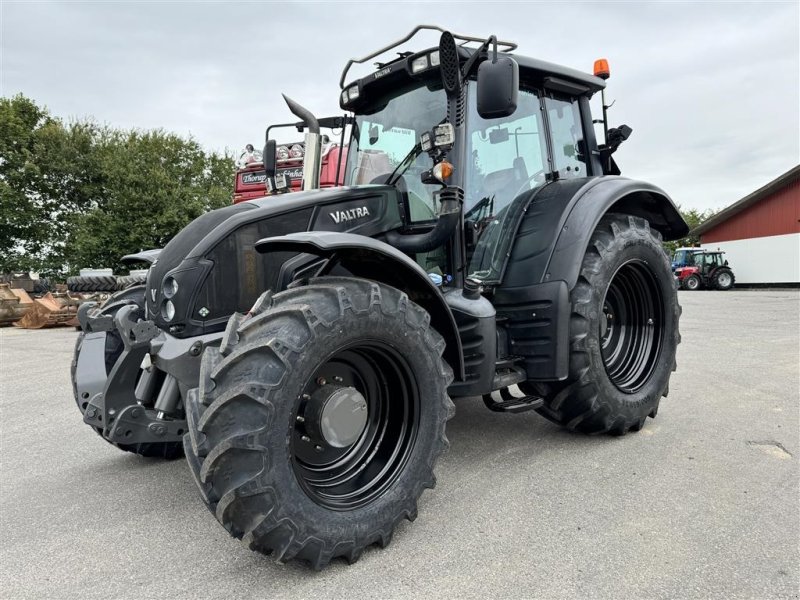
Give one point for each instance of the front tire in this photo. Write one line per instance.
(623, 332)
(258, 446)
(692, 283)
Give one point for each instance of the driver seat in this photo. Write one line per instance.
(505, 182)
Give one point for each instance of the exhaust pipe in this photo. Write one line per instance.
(311, 160)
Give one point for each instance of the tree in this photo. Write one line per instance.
(80, 195)
(47, 174)
(155, 183)
(694, 218)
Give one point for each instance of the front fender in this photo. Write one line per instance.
(146, 256)
(378, 261)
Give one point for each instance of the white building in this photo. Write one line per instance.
(760, 233)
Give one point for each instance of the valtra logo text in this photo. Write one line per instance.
(342, 216)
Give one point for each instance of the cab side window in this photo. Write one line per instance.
(507, 159)
(566, 134)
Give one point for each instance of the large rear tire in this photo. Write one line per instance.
(724, 279)
(623, 332)
(272, 467)
(113, 349)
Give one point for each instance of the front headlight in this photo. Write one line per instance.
(170, 287)
(168, 310)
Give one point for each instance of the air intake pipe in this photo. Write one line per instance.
(313, 150)
(451, 199)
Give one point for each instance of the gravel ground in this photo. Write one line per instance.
(702, 503)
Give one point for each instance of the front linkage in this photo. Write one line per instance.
(128, 375)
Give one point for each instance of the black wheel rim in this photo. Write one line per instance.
(632, 326)
(350, 477)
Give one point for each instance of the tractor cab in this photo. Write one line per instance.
(708, 261)
(486, 128)
(683, 257)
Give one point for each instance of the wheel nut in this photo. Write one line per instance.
(305, 438)
(318, 448)
(649, 321)
(300, 419)
(321, 381)
(338, 379)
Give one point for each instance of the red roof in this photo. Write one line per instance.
(773, 209)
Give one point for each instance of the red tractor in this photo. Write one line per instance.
(705, 269)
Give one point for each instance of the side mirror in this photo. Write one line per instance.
(498, 86)
(270, 157)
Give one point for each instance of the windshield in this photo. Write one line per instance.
(382, 140)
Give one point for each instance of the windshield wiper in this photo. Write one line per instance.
(404, 164)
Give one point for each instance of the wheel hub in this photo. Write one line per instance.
(336, 415)
(356, 424)
(631, 326)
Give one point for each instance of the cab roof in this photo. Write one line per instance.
(396, 76)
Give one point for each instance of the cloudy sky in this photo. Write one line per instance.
(712, 90)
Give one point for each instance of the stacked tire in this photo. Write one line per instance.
(104, 283)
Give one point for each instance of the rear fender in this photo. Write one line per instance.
(616, 195)
(548, 248)
(554, 232)
(377, 261)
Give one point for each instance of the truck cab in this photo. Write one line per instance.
(250, 180)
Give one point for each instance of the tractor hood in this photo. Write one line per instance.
(211, 269)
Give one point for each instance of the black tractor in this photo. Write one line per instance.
(304, 349)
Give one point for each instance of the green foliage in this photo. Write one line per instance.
(81, 195)
(693, 218)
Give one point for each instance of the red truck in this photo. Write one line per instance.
(251, 179)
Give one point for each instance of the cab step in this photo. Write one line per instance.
(511, 399)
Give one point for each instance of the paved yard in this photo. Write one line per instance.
(703, 502)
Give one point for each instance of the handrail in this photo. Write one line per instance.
(510, 46)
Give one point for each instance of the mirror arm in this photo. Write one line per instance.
(492, 40)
